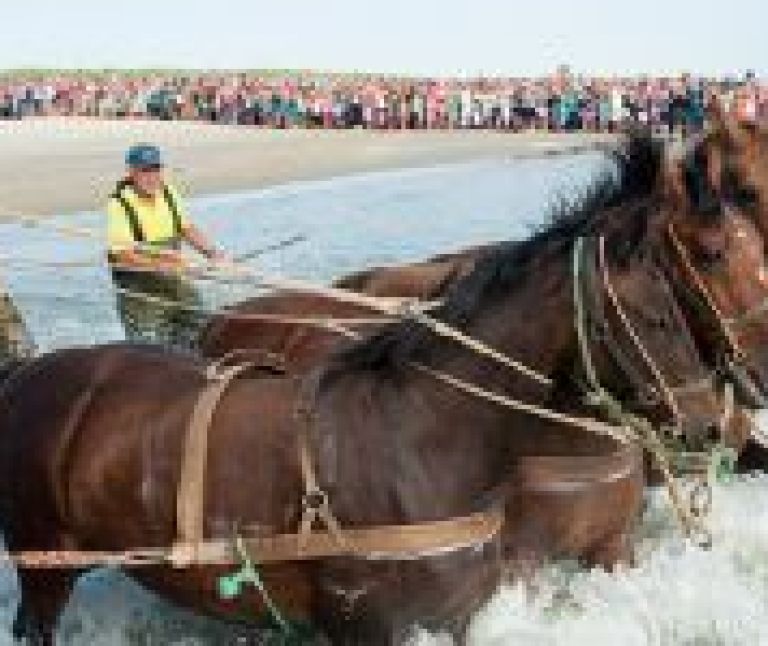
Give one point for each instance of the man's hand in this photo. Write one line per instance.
(223, 261)
(164, 260)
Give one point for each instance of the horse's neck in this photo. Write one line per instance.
(532, 324)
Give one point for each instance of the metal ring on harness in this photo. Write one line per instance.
(314, 500)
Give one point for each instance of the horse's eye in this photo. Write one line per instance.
(662, 324)
(709, 258)
(746, 197)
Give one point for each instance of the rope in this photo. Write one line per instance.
(633, 336)
(618, 433)
(646, 435)
(728, 335)
(229, 587)
(325, 322)
(581, 320)
(392, 308)
(412, 309)
(446, 331)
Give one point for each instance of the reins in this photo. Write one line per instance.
(723, 323)
(735, 356)
(633, 336)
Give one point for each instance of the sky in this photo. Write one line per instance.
(430, 37)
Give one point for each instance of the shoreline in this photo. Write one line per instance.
(52, 166)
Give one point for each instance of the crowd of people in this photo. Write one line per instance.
(558, 102)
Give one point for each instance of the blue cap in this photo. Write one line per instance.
(143, 156)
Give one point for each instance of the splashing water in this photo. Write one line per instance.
(675, 594)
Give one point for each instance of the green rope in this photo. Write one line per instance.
(723, 464)
(231, 586)
(598, 393)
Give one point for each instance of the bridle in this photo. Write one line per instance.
(691, 513)
(590, 281)
(733, 360)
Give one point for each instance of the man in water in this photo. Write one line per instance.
(147, 226)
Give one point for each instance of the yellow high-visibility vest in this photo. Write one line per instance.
(133, 220)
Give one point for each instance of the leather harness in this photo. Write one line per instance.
(380, 542)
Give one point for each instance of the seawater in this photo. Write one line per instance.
(674, 594)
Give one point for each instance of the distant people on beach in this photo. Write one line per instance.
(561, 102)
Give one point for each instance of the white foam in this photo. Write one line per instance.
(675, 593)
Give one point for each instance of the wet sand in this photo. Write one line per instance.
(57, 165)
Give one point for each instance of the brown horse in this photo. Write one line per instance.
(90, 438)
(724, 175)
(720, 178)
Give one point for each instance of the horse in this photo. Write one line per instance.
(726, 258)
(725, 175)
(90, 438)
(720, 178)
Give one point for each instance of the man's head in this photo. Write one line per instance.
(145, 168)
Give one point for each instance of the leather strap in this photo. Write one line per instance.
(190, 500)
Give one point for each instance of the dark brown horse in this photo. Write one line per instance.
(90, 438)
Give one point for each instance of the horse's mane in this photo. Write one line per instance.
(624, 192)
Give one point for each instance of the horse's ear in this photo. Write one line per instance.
(692, 180)
(716, 113)
(673, 182)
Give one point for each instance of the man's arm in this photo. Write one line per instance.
(200, 243)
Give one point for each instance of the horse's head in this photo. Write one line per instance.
(655, 359)
(717, 223)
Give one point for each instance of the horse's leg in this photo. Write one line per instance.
(43, 595)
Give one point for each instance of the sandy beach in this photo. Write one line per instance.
(56, 165)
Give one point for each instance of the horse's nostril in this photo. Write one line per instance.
(712, 432)
(649, 397)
